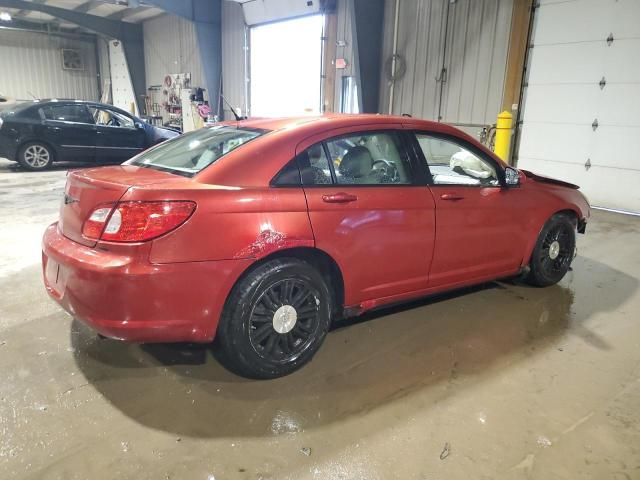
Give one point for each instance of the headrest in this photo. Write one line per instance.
(357, 162)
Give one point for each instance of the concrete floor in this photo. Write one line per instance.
(511, 382)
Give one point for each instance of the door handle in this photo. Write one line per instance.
(451, 196)
(340, 197)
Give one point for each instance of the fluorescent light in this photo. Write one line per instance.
(5, 16)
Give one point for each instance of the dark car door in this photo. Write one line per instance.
(70, 129)
(118, 137)
(368, 212)
(479, 232)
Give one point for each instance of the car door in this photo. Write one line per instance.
(118, 137)
(368, 211)
(478, 232)
(70, 129)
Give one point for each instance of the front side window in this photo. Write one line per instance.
(67, 113)
(193, 152)
(451, 164)
(370, 159)
(111, 118)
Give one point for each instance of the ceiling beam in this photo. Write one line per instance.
(22, 13)
(88, 6)
(126, 13)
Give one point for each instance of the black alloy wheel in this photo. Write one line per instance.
(275, 319)
(284, 320)
(554, 251)
(557, 249)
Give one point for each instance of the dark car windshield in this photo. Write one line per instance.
(190, 153)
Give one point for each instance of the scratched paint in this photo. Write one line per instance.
(269, 241)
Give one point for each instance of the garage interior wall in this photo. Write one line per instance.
(234, 74)
(38, 59)
(475, 52)
(170, 47)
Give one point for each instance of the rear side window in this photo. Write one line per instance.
(289, 176)
(376, 158)
(67, 113)
(195, 151)
(314, 166)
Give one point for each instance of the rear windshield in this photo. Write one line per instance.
(190, 153)
(15, 108)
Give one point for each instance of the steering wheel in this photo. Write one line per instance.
(386, 170)
(112, 122)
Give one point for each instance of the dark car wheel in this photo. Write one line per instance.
(553, 252)
(275, 319)
(35, 156)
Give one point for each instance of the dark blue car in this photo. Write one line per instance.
(36, 134)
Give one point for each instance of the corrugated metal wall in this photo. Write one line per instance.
(171, 46)
(37, 58)
(476, 55)
(234, 76)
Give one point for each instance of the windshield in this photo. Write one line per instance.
(190, 153)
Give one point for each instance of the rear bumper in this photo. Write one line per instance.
(123, 297)
(7, 149)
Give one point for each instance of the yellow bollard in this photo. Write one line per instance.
(503, 135)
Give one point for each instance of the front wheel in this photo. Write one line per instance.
(275, 319)
(553, 252)
(35, 156)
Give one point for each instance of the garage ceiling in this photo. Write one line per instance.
(113, 9)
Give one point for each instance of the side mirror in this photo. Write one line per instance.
(140, 125)
(511, 177)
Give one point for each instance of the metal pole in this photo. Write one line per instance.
(503, 135)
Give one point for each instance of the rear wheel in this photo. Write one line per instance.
(35, 156)
(275, 319)
(553, 252)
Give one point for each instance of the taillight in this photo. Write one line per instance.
(136, 221)
(94, 225)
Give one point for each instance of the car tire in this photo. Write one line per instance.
(274, 320)
(35, 156)
(553, 252)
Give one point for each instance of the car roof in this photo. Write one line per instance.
(53, 101)
(329, 120)
(258, 161)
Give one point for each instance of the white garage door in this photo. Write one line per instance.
(581, 120)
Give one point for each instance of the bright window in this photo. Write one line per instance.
(286, 67)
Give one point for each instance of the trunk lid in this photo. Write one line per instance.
(86, 189)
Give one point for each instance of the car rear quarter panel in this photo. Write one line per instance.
(231, 223)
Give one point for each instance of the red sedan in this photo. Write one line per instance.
(260, 233)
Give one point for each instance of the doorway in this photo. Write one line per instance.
(286, 62)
